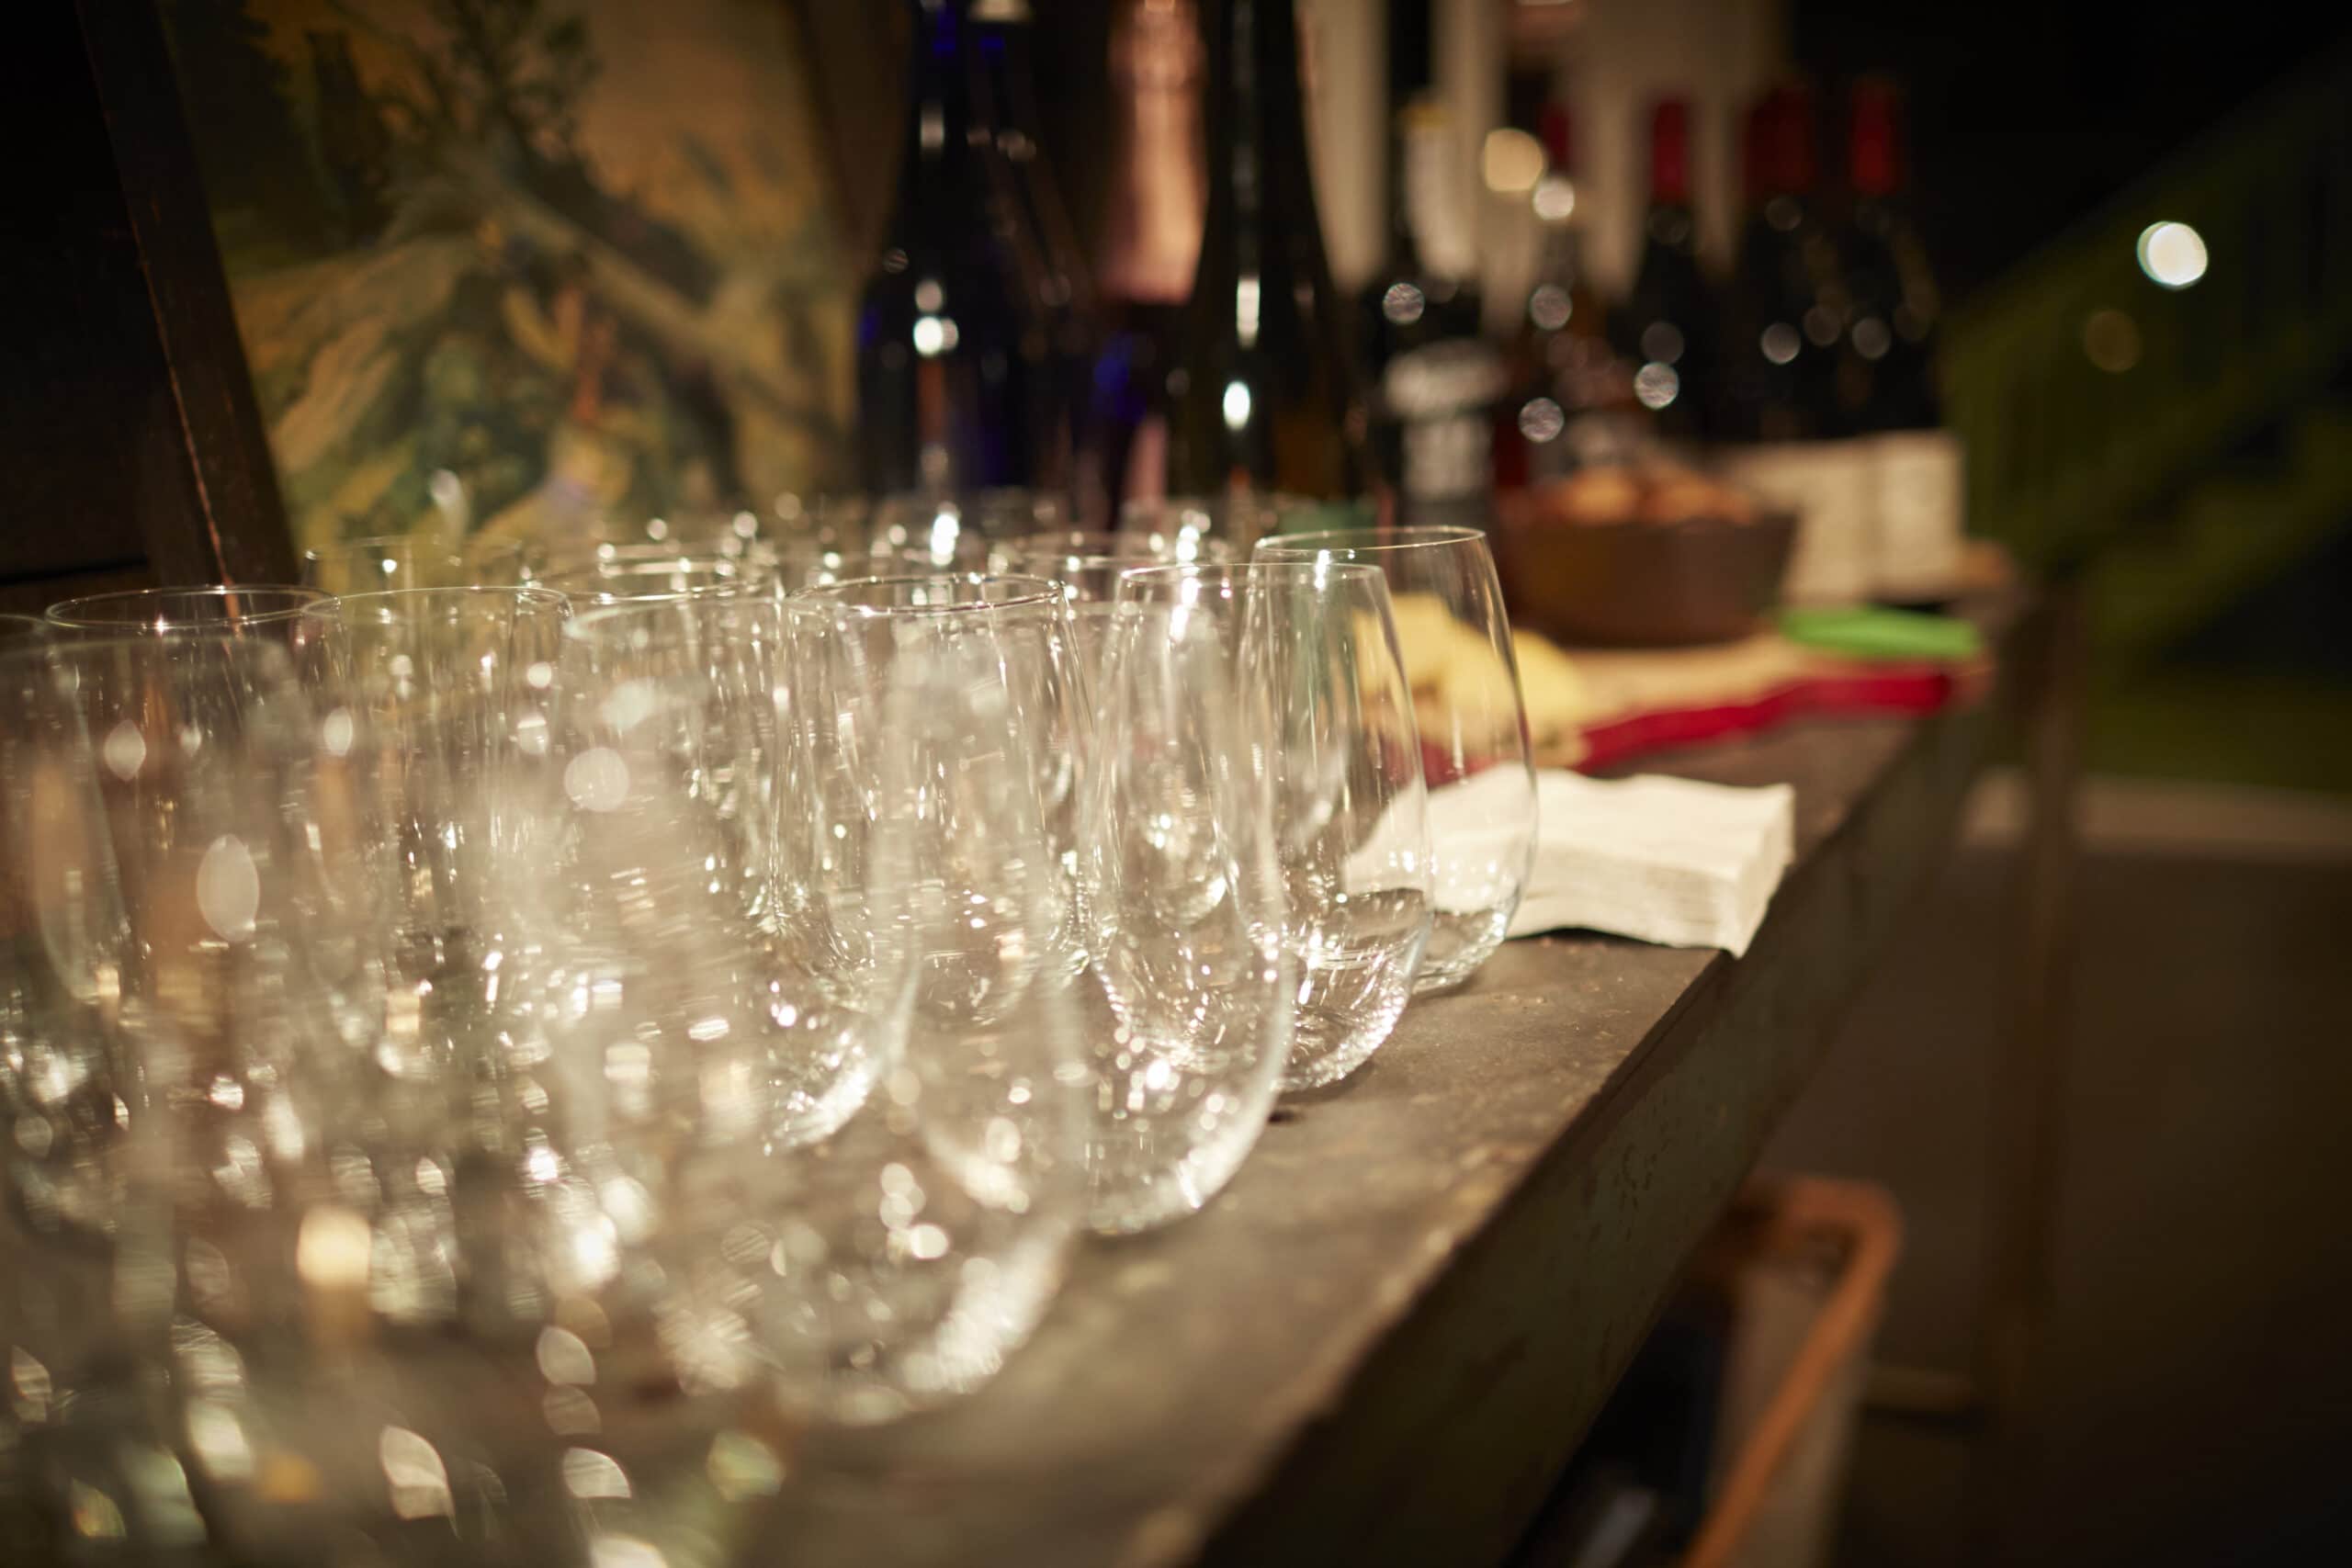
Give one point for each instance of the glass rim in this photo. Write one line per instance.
(457, 549)
(583, 623)
(336, 606)
(1032, 592)
(1055, 538)
(723, 577)
(94, 611)
(1426, 535)
(1152, 573)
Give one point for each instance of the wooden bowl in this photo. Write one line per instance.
(1697, 579)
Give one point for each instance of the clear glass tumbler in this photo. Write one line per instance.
(1195, 1018)
(450, 691)
(919, 1243)
(1026, 621)
(1464, 676)
(1322, 693)
(171, 807)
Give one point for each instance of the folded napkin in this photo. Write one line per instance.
(1668, 861)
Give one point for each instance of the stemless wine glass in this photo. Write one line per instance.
(241, 609)
(1323, 694)
(1465, 675)
(1196, 981)
(897, 1260)
(1088, 566)
(722, 671)
(414, 561)
(449, 689)
(1026, 620)
(166, 795)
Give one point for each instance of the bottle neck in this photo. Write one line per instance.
(1002, 34)
(1779, 164)
(1153, 236)
(1874, 153)
(1258, 150)
(1151, 241)
(1670, 155)
(1418, 189)
(938, 107)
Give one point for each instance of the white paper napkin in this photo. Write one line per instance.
(1665, 860)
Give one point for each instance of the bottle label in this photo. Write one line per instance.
(1827, 484)
(1442, 396)
(1921, 493)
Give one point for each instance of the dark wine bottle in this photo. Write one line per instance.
(1668, 325)
(1781, 325)
(1568, 389)
(1265, 396)
(1151, 240)
(1886, 383)
(952, 355)
(1005, 100)
(1776, 411)
(1432, 378)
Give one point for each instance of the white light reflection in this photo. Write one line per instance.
(597, 779)
(2171, 255)
(124, 750)
(419, 1482)
(625, 1551)
(331, 1250)
(741, 1466)
(1510, 162)
(588, 1474)
(1237, 404)
(228, 888)
(1248, 293)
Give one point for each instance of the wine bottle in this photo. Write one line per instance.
(1432, 377)
(1151, 240)
(952, 353)
(1777, 380)
(1668, 325)
(1006, 101)
(1265, 396)
(1885, 380)
(1568, 389)
(1776, 413)
(1886, 383)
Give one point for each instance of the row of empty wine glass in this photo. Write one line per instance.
(757, 992)
(811, 541)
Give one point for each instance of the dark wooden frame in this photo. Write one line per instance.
(218, 514)
(134, 446)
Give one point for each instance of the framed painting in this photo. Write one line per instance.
(531, 267)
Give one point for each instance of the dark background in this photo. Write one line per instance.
(2025, 115)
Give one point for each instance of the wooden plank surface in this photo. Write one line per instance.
(1384, 1341)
